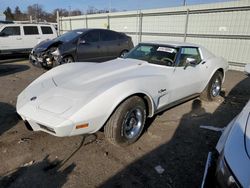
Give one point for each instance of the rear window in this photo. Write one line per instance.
(46, 30)
(121, 36)
(30, 30)
(108, 35)
(11, 30)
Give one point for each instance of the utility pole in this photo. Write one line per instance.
(109, 6)
(69, 10)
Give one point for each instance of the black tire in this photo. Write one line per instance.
(129, 117)
(213, 88)
(67, 59)
(123, 53)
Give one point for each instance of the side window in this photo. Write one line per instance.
(92, 36)
(46, 30)
(10, 31)
(121, 36)
(108, 35)
(30, 30)
(189, 52)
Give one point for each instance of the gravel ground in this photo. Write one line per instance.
(173, 140)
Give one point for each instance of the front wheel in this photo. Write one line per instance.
(213, 88)
(127, 122)
(67, 59)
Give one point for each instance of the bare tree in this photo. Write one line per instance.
(75, 12)
(91, 10)
(62, 12)
(36, 11)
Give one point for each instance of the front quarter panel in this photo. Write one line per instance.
(210, 66)
(97, 111)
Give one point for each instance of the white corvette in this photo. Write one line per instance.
(81, 98)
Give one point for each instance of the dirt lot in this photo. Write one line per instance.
(173, 140)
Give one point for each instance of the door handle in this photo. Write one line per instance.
(98, 46)
(18, 38)
(38, 38)
(203, 62)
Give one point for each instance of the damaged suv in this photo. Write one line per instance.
(92, 45)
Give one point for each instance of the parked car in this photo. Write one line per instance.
(233, 165)
(81, 98)
(15, 38)
(93, 45)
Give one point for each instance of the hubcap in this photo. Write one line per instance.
(133, 123)
(216, 87)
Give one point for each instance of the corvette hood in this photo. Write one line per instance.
(65, 89)
(46, 44)
(89, 76)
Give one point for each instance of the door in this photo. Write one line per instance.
(90, 48)
(188, 74)
(11, 38)
(31, 36)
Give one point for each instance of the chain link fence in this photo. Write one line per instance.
(223, 28)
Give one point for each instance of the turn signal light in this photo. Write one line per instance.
(82, 126)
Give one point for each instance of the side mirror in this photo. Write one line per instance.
(190, 62)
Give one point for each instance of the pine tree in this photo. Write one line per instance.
(8, 14)
(18, 15)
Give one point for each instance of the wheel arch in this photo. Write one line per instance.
(147, 100)
(221, 70)
(69, 55)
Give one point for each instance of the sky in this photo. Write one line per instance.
(49, 5)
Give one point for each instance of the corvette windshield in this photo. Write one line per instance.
(66, 37)
(155, 54)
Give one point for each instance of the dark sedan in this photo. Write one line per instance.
(92, 45)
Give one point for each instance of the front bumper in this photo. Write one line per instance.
(44, 61)
(59, 127)
(218, 173)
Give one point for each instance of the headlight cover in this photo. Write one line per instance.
(224, 175)
(56, 52)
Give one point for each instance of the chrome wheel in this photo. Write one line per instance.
(216, 87)
(133, 123)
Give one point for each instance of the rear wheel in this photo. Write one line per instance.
(123, 53)
(213, 88)
(127, 122)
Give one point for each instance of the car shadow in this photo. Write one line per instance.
(38, 174)
(183, 157)
(12, 69)
(8, 117)
(11, 58)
